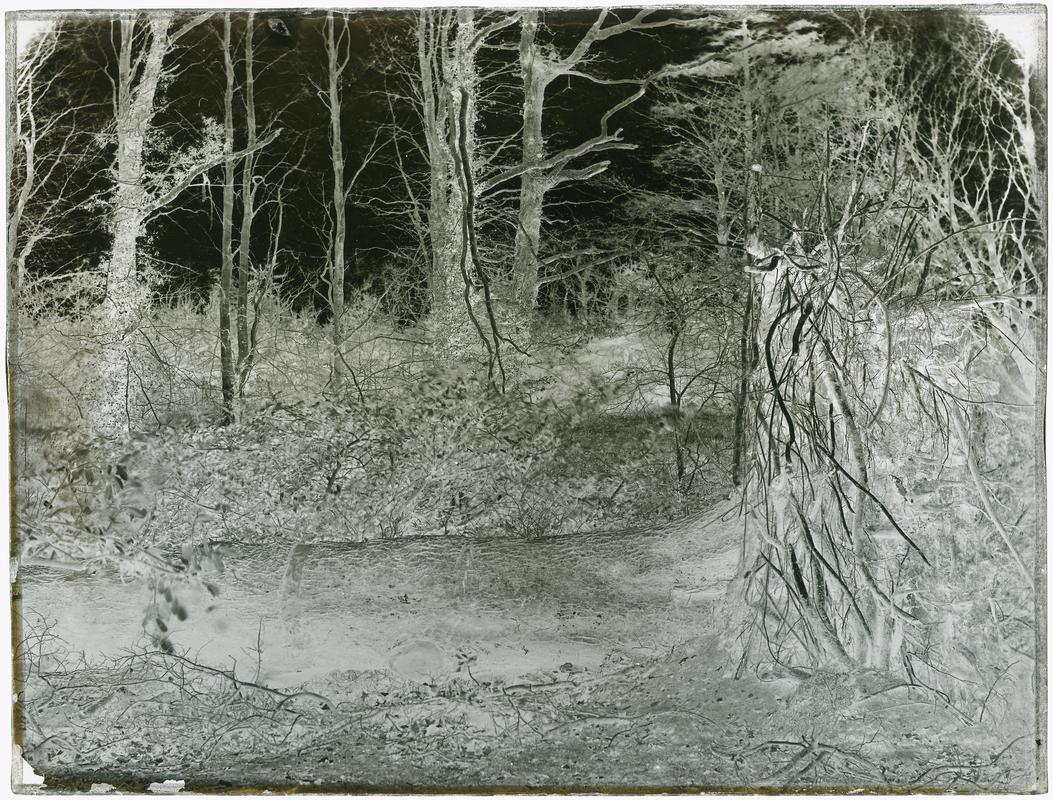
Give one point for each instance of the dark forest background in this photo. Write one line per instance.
(184, 240)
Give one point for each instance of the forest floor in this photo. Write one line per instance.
(597, 661)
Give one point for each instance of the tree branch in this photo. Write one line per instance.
(184, 183)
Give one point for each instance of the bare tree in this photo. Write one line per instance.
(58, 167)
(807, 187)
(137, 194)
(448, 74)
(126, 298)
(448, 43)
(252, 184)
(721, 112)
(29, 130)
(542, 171)
(840, 252)
(988, 192)
(248, 206)
(338, 51)
(226, 359)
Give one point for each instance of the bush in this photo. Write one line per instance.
(442, 456)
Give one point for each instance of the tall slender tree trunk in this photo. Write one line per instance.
(248, 196)
(744, 364)
(434, 112)
(461, 80)
(751, 221)
(675, 326)
(126, 296)
(750, 224)
(745, 368)
(533, 183)
(226, 361)
(336, 265)
(16, 261)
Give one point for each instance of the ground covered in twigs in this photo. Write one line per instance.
(681, 720)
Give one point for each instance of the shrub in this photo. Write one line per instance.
(440, 456)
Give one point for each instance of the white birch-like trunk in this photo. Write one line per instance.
(336, 264)
(534, 182)
(541, 171)
(127, 297)
(226, 357)
(248, 192)
(27, 140)
(449, 78)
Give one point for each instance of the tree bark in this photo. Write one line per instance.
(537, 173)
(449, 81)
(226, 364)
(745, 368)
(336, 264)
(126, 296)
(248, 197)
(747, 340)
(533, 185)
(27, 140)
(433, 111)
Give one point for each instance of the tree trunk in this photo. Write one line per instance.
(783, 547)
(745, 368)
(750, 179)
(449, 83)
(336, 264)
(16, 261)
(126, 296)
(461, 82)
(533, 182)
(248, 194)
(676, 329)
(539, 172)
(432, 32)
(747, 342)
(226, 365)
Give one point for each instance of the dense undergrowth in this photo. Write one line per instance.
(414, 447)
